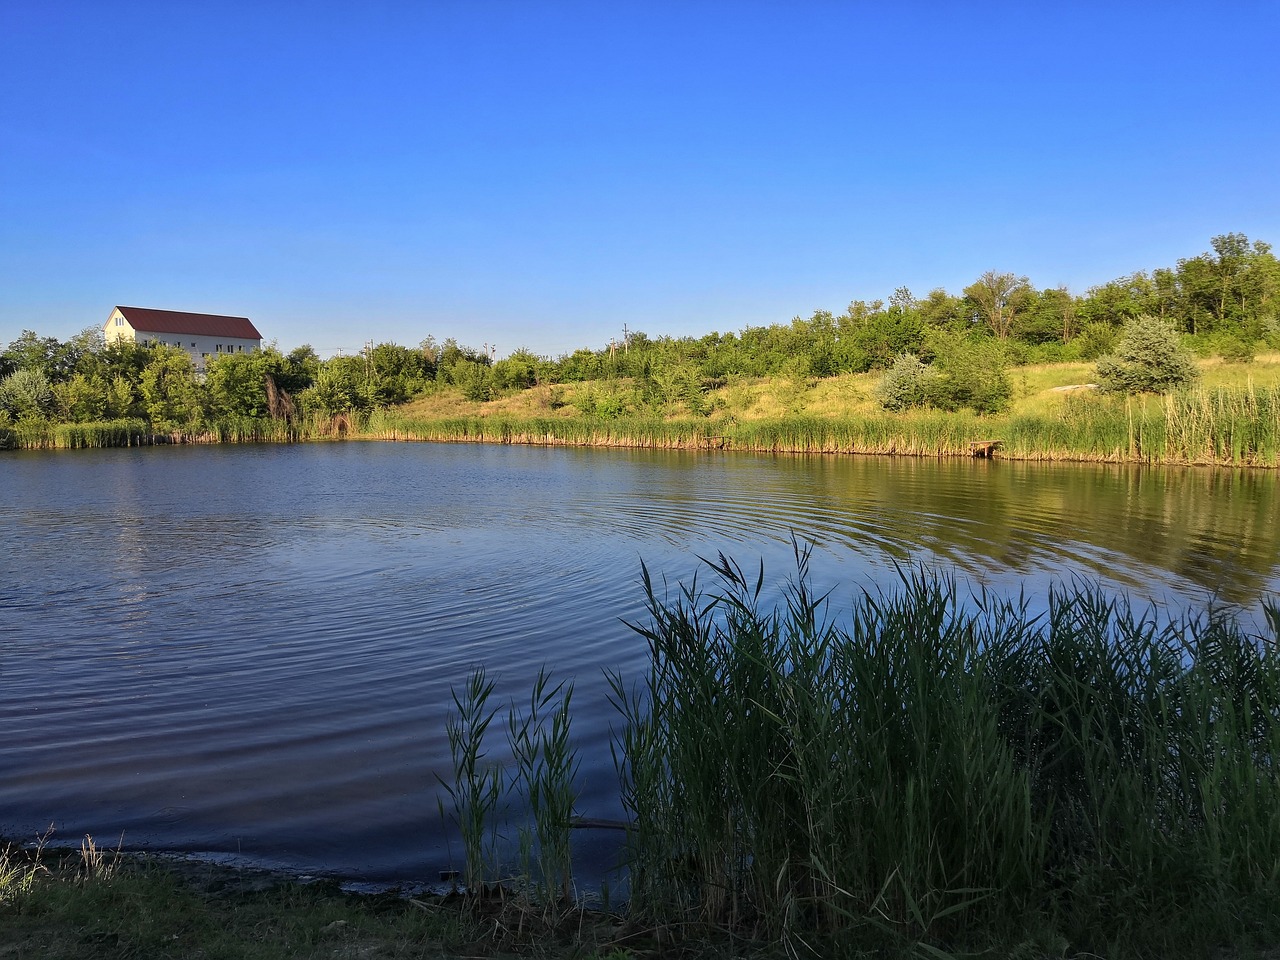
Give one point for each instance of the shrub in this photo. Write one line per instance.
(1148, 359)
(910, 382)
(1236, 350)
(973, 372)
(26, 394)
(1095, 340)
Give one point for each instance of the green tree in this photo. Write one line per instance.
(234, 386)
(170, 395)
(25, 394)
(122, 398)
(1148, 359)
(83, 399)
(1000, 297)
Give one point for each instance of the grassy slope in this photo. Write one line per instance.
(1039, 392)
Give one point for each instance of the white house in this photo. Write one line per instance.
(203, 335)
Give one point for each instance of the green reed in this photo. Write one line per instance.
(1237, 426)
(111, 433)
(476, 786)
(537, 785)
(934, 770)
(546, 766)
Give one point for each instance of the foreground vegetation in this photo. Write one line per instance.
(87, 905)
(926, 774)
(930, 774)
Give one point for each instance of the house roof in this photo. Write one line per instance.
(197, 324)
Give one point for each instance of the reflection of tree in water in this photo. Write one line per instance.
(1215, 528)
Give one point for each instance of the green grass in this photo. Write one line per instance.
(1233, 426)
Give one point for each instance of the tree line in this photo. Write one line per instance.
(940, 349)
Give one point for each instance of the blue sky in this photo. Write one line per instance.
(541, 173)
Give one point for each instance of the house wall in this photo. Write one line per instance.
(200, 348)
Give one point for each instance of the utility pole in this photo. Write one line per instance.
(626, 339)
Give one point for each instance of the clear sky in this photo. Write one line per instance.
(542, 173)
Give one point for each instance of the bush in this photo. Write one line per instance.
(910, 382)
(1236, 350)
(26, 394)
(1148, 359)
(972, 371)
(1095, 340)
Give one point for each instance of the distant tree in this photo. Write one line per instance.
(44, 355)
(1149, 359)
(972, 371)
(941, 309)
(83, 398)
(1000, 297)
(1235, 287)
(25, 394)
(517, 372)
(122, 398)
(234, 385)
(170, 394)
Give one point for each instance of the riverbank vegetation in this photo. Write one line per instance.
(1051, 374)
(934, 774)
(73, 905)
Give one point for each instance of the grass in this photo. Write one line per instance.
(932, 773)
(154, 910)
(1233, 418)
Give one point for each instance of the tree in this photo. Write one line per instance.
(83, 398)
(972, 371)
(169, 391)
(25, 394)
(999, 297)
(1148, 359)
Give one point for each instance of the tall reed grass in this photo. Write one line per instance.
(538, 783)
(921, 434)
(1238, 426)
(934, 770)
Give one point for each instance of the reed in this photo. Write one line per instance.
(476, 786)
(111, 433)
(925, 434)
(934, 770)
(545, 767)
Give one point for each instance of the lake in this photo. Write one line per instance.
(246, 652)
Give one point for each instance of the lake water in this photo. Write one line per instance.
(246, 652)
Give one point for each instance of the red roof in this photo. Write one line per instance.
(195, 324)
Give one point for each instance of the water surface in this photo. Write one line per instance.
(247, 651)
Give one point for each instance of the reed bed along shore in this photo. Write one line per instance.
(1227, 426)
(1223, 426)
(932, 773)
(45, 435)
